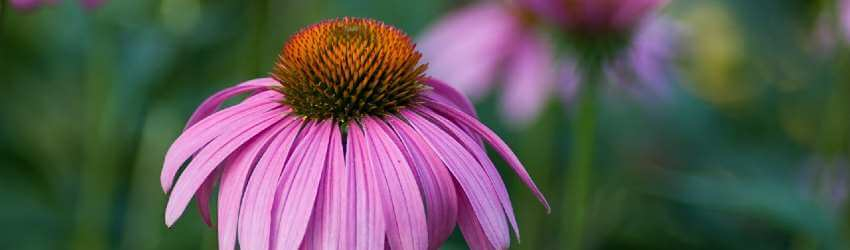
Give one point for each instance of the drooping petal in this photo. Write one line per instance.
(495, 142)
(368, 215)
(465, 48)
(442, 91)
(255, 215)
(470, 227)
(646, 66)
(529, 81)
(212, 103)
(437, 184)
(402, 202)
(198, 135)
(467, 172)
(233, 178)
(211, 156)
(202, 197)
(474, 148)
(298, 186)
(330, 227)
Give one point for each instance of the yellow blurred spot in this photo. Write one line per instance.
(717, 55)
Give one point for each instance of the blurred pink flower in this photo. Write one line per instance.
(317, 158)
(596, 15)
(474, 46)
(486, 44)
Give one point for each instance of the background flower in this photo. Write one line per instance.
(474, 47)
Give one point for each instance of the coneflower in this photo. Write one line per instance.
(490, 45)
(346, 146)
(473, 47)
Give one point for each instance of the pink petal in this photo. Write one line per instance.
(212, 103)
(465, 48)
(436, 182)
(202, 197)
(466, 170)
(405, 213)
(450, 95)
(197, 136)
(470, 227)
(368, 215)
(529, 81)
(211, 156)
(256, 212)
(477, 150)
(495, 142)
(298, 187)
(233, 178)
(330, 226)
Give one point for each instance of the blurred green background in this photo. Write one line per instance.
(750, 153)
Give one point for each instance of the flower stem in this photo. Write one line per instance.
(581, 152)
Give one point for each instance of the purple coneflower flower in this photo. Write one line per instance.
(642, 64)
(345, 146)
(473, 46)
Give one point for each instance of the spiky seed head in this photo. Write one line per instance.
(347, 68)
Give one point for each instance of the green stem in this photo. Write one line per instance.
(582, 150)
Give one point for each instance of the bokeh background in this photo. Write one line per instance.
(749, 152)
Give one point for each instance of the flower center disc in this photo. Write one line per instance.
(347, 68)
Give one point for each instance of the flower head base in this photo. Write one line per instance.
(347, 68)
(596, 16)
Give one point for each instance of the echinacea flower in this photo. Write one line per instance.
(479, 44)
(345, 146)
(638, 48)
(474, 46)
